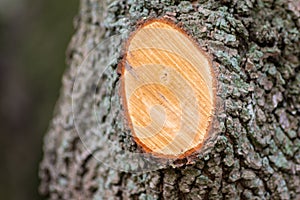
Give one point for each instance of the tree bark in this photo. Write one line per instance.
(254, 146)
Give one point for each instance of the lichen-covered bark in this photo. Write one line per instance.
(256, 155)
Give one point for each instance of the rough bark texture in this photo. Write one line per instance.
(255, 45)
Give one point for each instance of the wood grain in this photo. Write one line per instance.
(168, 90)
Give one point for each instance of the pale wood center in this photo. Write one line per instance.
(168, 88)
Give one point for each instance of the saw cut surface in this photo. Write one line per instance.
(168, 94)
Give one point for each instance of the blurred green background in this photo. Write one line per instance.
(34, 35)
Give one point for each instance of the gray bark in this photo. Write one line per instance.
(255, 149)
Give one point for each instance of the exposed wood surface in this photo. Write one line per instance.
(168, 88)
(255, 48)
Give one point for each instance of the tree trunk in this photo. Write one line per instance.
(253, 149)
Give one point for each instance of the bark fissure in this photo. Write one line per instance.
(255, 46)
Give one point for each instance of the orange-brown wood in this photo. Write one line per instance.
(168, 90)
